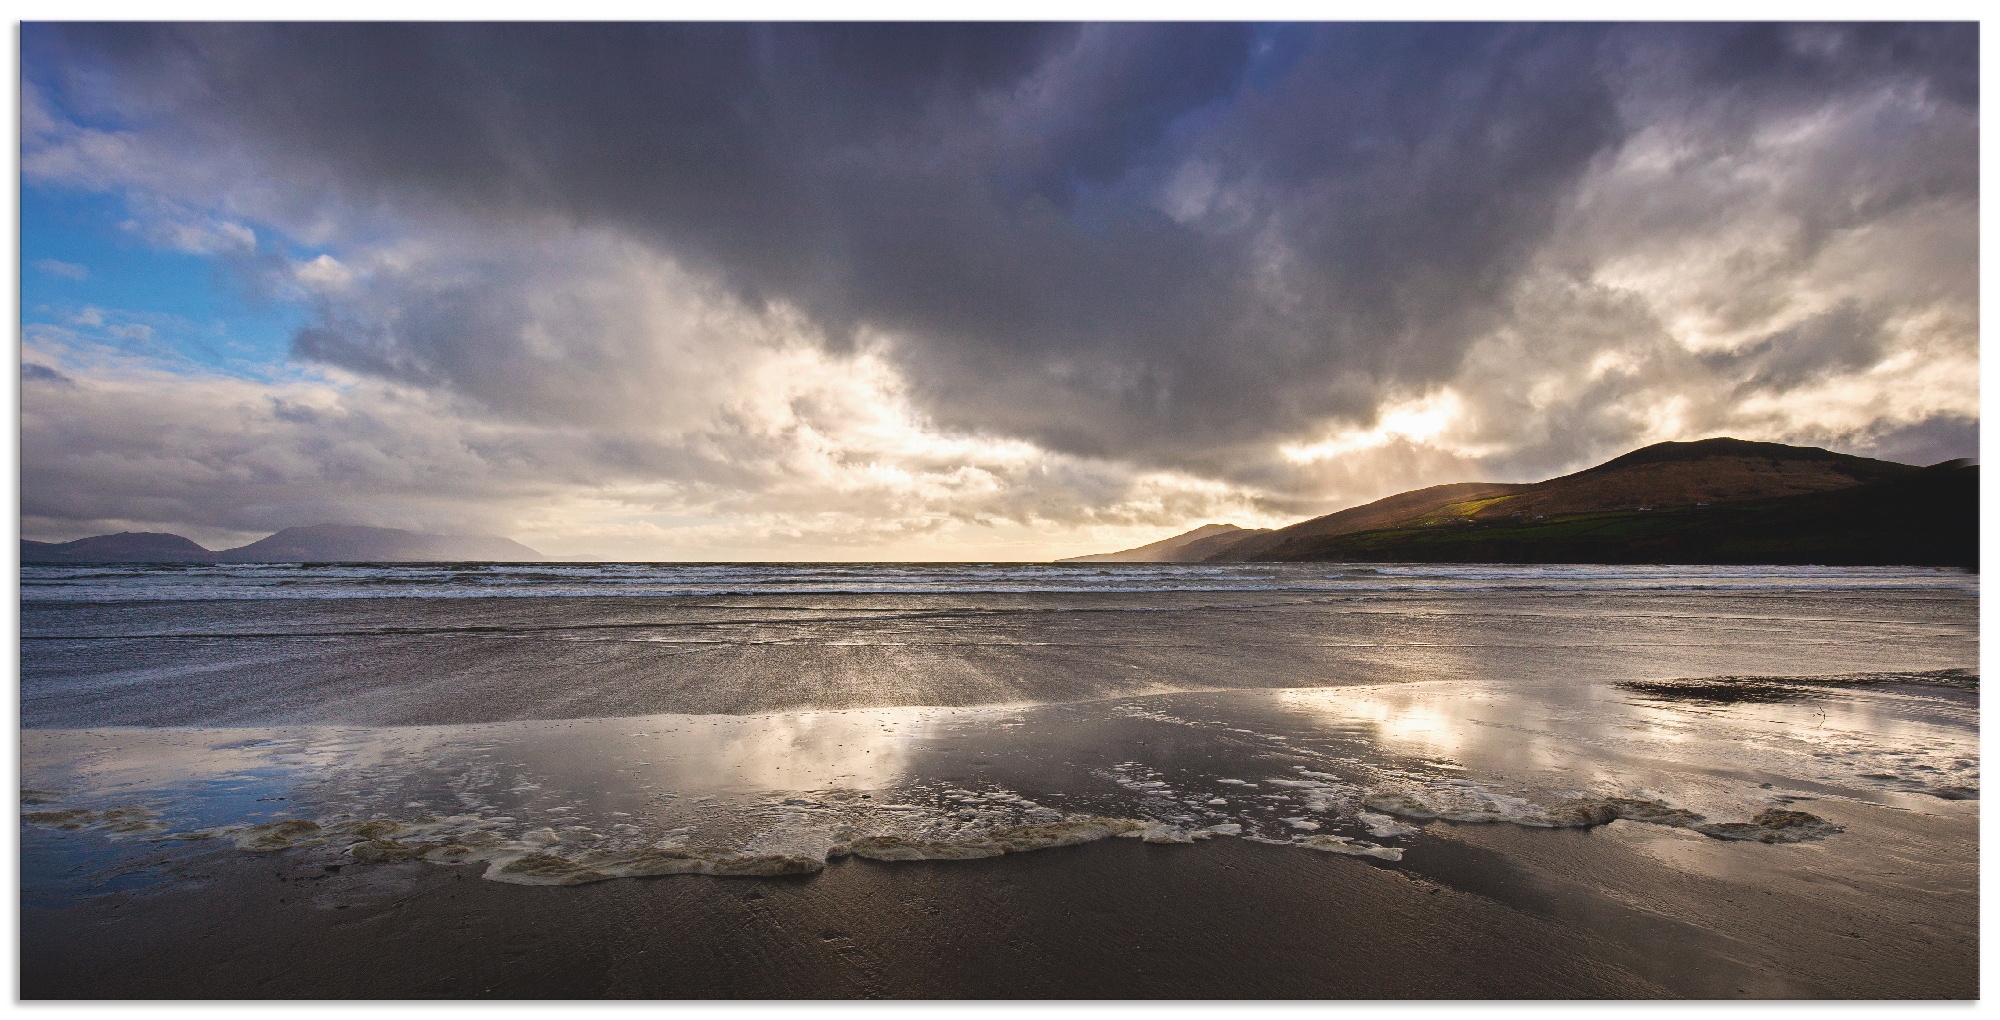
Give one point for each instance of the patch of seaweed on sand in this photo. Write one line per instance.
(1731, 690)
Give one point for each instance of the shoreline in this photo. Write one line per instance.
(1474, 912)
(1440, 722)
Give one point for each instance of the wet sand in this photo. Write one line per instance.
(429, 661)
(1476, 911)
(1385, 785)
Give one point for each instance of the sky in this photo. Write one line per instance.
(965, 291)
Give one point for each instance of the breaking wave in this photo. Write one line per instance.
(174, 582)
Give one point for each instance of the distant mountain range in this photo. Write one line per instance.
(1712, 501)
(324, 543)
(124, 547)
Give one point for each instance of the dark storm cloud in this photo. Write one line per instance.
(1843, 339)
(1920, 443)
(965, 187)
(1168, 245)
(32, 373)
(1799, 63)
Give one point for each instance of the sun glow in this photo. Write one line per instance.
(1416, 421)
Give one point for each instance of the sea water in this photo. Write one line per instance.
(570, 723)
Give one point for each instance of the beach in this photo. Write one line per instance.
(1491, 913)
(1196, 510)
(1312, 781)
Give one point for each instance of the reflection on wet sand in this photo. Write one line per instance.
(1618, 748)
(1349, 769)
(1884, 739)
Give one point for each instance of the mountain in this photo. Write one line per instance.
(325, 543)
(1712, 501)
(1930, 518)
(1192, 547)
(346, 543)
(1706, 472)
(124, 547)
(1438, 502)
(1690, 474)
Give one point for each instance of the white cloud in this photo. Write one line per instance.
(324, 273)
(171, 226)
(1419, 421)
(67, 270)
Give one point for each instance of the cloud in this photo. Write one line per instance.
(172, 225)
(324, 273)
(153, 337)
(1271, 269)
(66, 270)
(43, 374)
(777, 449)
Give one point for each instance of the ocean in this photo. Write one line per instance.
(574, 724)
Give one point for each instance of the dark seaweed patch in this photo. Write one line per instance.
(1729, 690)
(1723, 691)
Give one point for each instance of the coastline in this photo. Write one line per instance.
(1474, 912)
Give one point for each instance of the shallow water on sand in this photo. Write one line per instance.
(569, 724)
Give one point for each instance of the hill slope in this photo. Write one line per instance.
(1666, 503)
(345, 543)
(1710, 471)
(1927, 518)
(124, 547)
(1438, 502)
(1192, 547)
(1689, 474)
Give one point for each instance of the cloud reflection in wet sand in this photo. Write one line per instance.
(1327, 768)
(1872, 741)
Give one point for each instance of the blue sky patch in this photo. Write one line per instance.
(83, 266)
